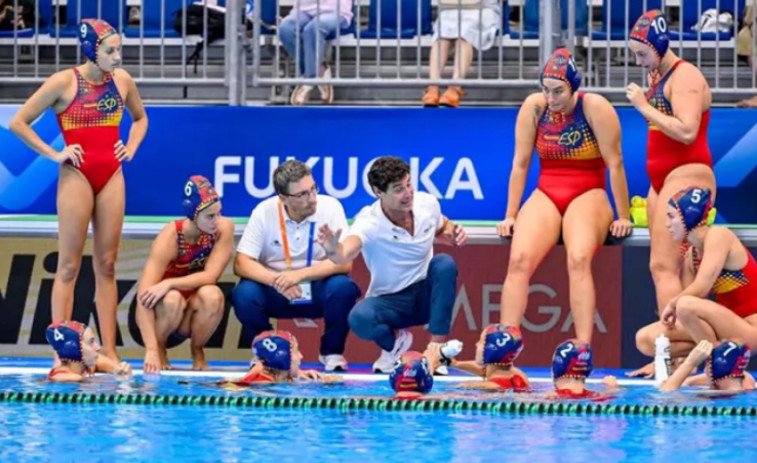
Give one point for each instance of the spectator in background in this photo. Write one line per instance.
(467, 24)
(303, 33)
(745, 47)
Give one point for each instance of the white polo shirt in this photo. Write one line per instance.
(262, 239)
(395, 258)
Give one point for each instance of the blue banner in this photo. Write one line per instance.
(462, 156)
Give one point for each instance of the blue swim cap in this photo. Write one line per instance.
(411, 374)
(91, 34)
(502, 344)
(274, 349)
(652, 29)
(693, 206)
(562, 66)
(729, 360)
(66, 338)
(572, 359)
(198, 195)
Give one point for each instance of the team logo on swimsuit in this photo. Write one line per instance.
(198, 263)
(570, 139)
(107, 103)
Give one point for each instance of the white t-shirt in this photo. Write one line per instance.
(262, 239)
(395, 258)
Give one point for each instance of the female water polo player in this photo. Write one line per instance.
(89, 101)
(178, 296)
(677, 109)
(496, 350)
(572, 364)
(577, 136)
(716, 263)
(725, 369)
(78, 353)
(279, 359)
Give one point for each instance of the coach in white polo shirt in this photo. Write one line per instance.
(409, 285)
(284, 271)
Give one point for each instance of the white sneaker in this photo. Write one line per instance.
(333, 362)
(447, 349)
(326, 91)
(385, 363)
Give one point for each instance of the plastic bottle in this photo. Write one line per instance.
(661, 359)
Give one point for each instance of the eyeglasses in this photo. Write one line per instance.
(305, 194)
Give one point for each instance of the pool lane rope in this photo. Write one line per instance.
(379, 404)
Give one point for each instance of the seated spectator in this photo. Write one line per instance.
(467, 24)
(745, 47)
(303, 33)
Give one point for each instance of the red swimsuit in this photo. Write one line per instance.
(191, 257)
(734, 289)
(255, 378)
(92, 120)
(516, 383)
(665, 154)
(569, 156)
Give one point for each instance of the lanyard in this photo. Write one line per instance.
(285, 240)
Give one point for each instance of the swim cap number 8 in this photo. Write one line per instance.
(269, 345)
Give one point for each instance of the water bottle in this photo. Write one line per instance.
(661, 358)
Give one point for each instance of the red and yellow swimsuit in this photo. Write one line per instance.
(92, 120)
(569, 156)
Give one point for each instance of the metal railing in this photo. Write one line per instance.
(156, 55)
(370, 52)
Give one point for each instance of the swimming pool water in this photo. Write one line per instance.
(129, 433)
(87, 433)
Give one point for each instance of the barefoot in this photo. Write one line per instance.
(163, 355)
(647, 371)
(198, 359)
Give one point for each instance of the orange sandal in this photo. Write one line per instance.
(451, 98)
(431, 97)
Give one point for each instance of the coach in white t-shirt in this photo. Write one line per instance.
(286, 274)
(409, 285)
